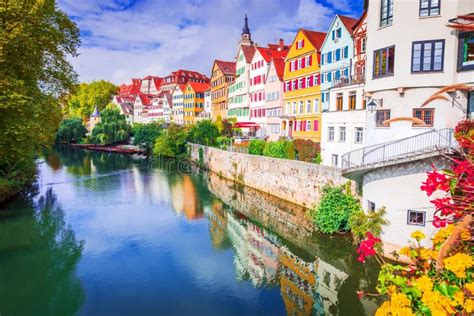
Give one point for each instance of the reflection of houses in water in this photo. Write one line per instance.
(330, 281)
(238, 236)
(185, 199)
(217, 216)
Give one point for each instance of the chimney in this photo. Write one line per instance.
(281, 43)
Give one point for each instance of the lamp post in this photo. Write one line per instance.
(372, 105)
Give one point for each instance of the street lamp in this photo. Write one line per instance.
(373, 103)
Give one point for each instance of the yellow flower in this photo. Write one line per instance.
(458, 264)
(465, 235)
(442, 235)
(458, 299)
(418, 235)
(469, 306)
(437, 303)
(427, 254)
(470, 287)
(424, 283)
(405, 251)
(399, 304)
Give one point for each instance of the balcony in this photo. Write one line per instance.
(348, 81)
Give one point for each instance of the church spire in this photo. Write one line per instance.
(246, 26)
(246, 37)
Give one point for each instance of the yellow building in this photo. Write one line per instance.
(302, 92)
(223, 74)
(193, 100)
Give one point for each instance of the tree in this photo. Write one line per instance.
(172, 143)
(88, 95)
(35, 41)
(112, 128)
(71, 130)
(205, 133)
(145, 135)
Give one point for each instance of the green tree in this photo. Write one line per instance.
(256, 147)
(145, 135)
(334, 210)
(280, 149)
(71, 130)
(112, 128)
(88, 95)
(204, 132)
(36, 39)
(172, 143)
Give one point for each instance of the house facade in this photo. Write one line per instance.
(181, 76)
(223, 74)
(193, 101)
(177, 111)
(302, 93)
(140, 108)
(276, 125)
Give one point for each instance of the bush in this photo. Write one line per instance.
(172, 143)
(318, 160)
(256, 147)
(361, 222)
(205, 133)
(145, 135)
(71, 130)
(307, 149)
(280, 149)
(112, 128)
(334, 210)
(223, 142)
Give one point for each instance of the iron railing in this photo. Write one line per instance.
(424, 143)
(347, 81)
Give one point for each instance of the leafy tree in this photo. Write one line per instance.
(256, 147)
(172, 143)
(334, 209)
(112, 128)
(205, 133)
(145, 135)
(71, 130)
(88, 95)
(36, 39)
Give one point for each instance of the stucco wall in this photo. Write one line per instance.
(295, 181)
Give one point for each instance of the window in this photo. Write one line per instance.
(301, 107)
(346, 52)
(426, 115)
(416, 218)
(300, 44)
(294, 107)
(381, 116)
(470, 105)
(308, 125)
(427, 56)
(339, 102)
(370, 206)
(338, 54)
(309, 81)
(308, 106)
(429, 7)
(386, 12)
(384, 61)
(352, 100)
(466, 51)
(316, 105)
(359, 135)
(334, 159)
(330, 134)
(339, 33)
(300, 63)
(363, 45)
(342, 134)
(329, 57)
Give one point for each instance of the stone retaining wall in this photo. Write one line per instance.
(295, 181)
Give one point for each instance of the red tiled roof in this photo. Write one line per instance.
(359, 21)
(188, 73)
(199, 86)
(126, 108)
(248, 52)
(348, 22)
(144, 99)
(279, 64)
(276, 46)
(227, 67)
(268, 53)
(316, 38)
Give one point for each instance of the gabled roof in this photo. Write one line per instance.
(276, 46)
(248, 51)
(348, 22)
(316, 38)
(279, 64)
(227, 67)
(359, 21)
(269, 53)
(199, 86)
(126, 108)
(96, 112)
(144, 98)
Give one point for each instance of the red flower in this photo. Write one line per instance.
(438, 222)
(360, 294)
(366, 247)
(435, 181)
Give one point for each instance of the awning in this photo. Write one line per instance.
(246, 125)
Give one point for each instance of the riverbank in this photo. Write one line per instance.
(118, 149)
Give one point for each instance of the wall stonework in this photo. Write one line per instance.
(295, 181)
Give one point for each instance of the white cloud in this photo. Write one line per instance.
(126, 39)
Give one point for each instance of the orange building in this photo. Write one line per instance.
(223, 74)
(193, 100)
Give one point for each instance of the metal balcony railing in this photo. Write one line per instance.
(410, 147)
(347, 81)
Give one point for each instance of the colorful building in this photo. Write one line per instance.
(177, 96)
(223, 74)
(302, 93)
(181, 77)
(276, 125)
(193, 100)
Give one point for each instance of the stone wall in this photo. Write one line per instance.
(295, 181)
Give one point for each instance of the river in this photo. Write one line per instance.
(107, 234)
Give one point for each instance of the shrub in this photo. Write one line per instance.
(318, 160)
(336, 206)
(361, 222)
(71, 130)
(172, 143)
(280, 149)
(145, 135)
(205, 133)
(307, 149)
(256, 147)
(223, 141)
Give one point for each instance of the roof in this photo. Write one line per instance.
(279, 64)
(199, 86)
(359, 21)
(126, 108)
(248, 51)
(316, 38)
(269, 53)
(348, 22)
(96, 112)
(144, 99)
(227, 67)
(277, 46)
(188, 73)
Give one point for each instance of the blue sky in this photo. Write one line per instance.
(124, 39)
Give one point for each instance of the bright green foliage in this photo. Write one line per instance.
(88, 95)
(172, 143)
(112, 128)
(145, 135)
(361, 222)
(256, 147)
(35, 41)
(223, 142)
(71, 130)
(336, 206)
(204, 132)
(280, 149)
(318, 160)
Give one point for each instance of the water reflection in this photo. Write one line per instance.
(38, 257)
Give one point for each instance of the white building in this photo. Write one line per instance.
(140, 108)
(177, 95)
(167, 107)
(207, 111)
(125, 106)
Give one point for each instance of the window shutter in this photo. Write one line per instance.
(310, 60)
(304, 83)
(311, 78)
(303, 126)
(294, 125)
(332, 33)
(284, 87)
(316, 125)
(303, 62)
(302, 43)
(318, 79)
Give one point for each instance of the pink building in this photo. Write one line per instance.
(275, 126)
